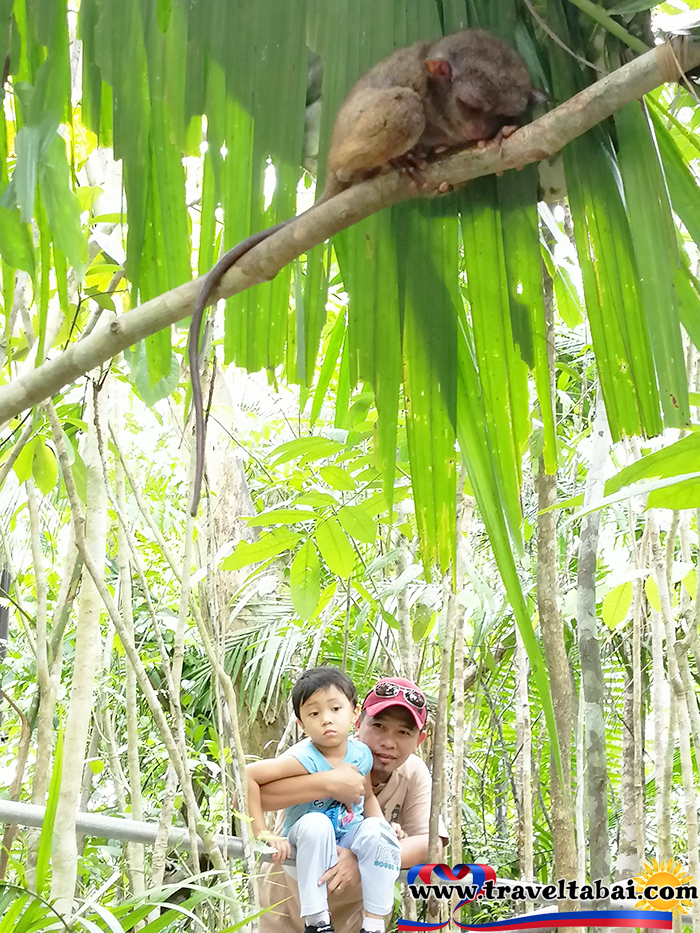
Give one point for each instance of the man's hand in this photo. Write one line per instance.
(345, 871)
(346, 784)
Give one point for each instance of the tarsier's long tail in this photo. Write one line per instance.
(209, 285)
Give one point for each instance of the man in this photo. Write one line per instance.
(392, 724)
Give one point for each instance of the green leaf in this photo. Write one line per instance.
(428, 247)
(423, 621)
(80, 476)
(44, 467)
(96, 766)
(281, 517)
(326, 596)
(656, 248)
(357, 523)
(16, 246)
(652, 592)
(87, 195)
(335, 548)
(674, 460)
(62, 206)
(616, 605)
(338, 478)
(25, 461)
(309, 448)
(304, 580)
(317, 499)
(139, 375)
(46, 838)
(690, 582)
(330, 360)
(682, 495)
(616, 316)
(269, 545)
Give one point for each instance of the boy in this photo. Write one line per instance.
(326, 705)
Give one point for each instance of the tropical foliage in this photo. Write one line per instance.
(423, 457)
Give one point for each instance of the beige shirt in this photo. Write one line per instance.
(404, 799)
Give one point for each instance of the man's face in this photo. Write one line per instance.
(392, 736)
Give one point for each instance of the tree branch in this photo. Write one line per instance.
(532, 143)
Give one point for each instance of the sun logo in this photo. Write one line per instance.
(665, 886)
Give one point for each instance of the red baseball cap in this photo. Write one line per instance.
(396, 691)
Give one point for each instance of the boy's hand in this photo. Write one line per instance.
(346, 784)
(283, 849)
(400, 834)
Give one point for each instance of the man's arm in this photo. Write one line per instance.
(343, 783)
(414, 850)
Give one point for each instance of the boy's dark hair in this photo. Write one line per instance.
(320, 678)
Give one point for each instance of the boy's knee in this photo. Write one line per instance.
(314, 825)
(378, 829)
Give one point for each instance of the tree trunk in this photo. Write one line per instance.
(523, 761)
(87, 657)
(552, 628)
(135, 851)
(592, 680)
(681, 707)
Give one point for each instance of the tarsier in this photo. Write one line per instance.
(423, 100)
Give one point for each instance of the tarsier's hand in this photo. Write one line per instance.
(283, 849)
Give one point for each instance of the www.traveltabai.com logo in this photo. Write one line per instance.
(661, 890)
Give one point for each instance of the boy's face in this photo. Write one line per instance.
(327, 716)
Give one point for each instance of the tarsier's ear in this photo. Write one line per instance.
(439, 68)
(538, 96)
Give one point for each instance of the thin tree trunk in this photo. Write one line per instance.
(552, 629)
(135, 851)
(160, 846)
(523, 761)
(580, 795)
(45, 727)
(16, 786)
(458, 746)
(87, 654)
(46, 683)
(592, 680)
(128, 644)
(681, 706)
(551, 624)
(663, 735)
(637, 706)
(628, 856)
(465, 508)
(440, 743)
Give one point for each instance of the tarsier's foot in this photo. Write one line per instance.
(495, 141)
(412, 164)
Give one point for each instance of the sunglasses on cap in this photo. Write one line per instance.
(389, 689)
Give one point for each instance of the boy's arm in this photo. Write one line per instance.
(371, 807)
(258, 774)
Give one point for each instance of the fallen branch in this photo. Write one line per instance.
(533, 143)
